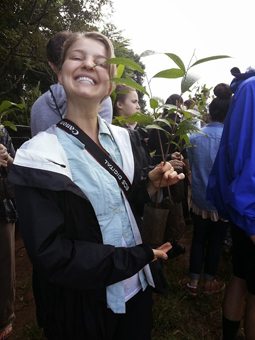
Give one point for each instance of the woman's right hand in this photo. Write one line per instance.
(161, 252)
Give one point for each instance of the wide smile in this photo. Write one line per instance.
(84, 79)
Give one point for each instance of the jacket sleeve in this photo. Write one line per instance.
(64, 260)
(231, 184)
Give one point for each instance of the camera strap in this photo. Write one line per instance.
(100, 155)
(56, 104)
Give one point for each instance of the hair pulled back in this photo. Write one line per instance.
(219, 106)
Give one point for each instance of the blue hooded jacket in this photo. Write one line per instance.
(231, 184)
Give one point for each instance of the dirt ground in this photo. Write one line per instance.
(24, 304)
(25, 323)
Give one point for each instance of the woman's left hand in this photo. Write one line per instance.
(161, 176)
(5, 158)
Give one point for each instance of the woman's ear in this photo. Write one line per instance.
(60, 77)
(53, 67)
(111, 88)
(119, 105)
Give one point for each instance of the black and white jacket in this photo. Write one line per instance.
(72, 266)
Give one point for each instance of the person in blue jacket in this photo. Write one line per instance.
(231, 188)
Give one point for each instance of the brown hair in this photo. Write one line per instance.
(55, 45)
(219, 106)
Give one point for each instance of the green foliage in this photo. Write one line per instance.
(131, 83)
(179, 316)
(33, 332)
(204, 60)
(26, 26)
(174, 121)
(170, 73)
(18, 114)
(200, 98)
(8, 108)
(131, 66)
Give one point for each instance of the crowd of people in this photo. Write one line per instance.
(79, 186)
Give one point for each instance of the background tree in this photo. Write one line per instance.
(25, 27)
(122, 50)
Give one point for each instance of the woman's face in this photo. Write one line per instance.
(84, 72)
(129, 105)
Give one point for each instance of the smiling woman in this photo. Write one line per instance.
(87, 188)
(86, 68)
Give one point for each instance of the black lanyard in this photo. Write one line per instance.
(56, 104)
(100, 156)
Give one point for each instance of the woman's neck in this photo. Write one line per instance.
(85, 117)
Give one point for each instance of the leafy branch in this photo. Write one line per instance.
(164, 117)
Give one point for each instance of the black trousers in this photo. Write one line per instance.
(243, 257)
(207, 243)
(136, 323)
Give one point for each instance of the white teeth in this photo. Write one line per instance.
(87, 80)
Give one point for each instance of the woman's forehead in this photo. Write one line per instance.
(85, 45)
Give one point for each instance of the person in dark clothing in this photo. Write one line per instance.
(85, 188)
(174, 197)
(8, 218)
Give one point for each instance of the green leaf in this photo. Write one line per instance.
(169, 107)
(165, 121)
(170, 73)
(147, 53)
(177, 61)
(153, 103)
(142, 118)
(9, 124)
(126, 62)
(119, 121)
(204, 60)
(131, 83)
(5, 105)
(187, 81)
(156, 127)
(186, 139)
(187, 114)
(120, 70)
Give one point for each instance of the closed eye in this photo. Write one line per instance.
(101, 63)
(75, 58)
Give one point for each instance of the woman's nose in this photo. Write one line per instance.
(89, 64)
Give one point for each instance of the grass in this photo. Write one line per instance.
(32, 332)
(179, 316)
